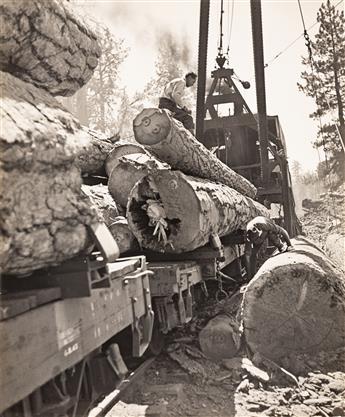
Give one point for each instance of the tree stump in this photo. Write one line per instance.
(295, 304)
(46, 44)
(166, 138)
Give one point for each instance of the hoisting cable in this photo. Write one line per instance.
(294, 41)
(220, 48)
(231, 23)
(312, 66)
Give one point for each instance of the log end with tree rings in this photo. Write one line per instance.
(172, 143)
(128, 170)
(151, 126)
(158, 219)
(295, 304)
(123, 235)
(121, 149)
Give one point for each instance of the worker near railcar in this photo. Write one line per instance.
(259, 231)
(172, 99)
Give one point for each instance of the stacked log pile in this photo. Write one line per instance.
(44, 215)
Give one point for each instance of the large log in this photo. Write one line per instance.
(123, 235)
(165, 137)
(38, 130)
(46, 44)
(189, 209)
(295, 304)
(128, 170)
(121, 149)
(102, 202)
(43, 213)
(335, 249)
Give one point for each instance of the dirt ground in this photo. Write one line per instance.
(182, 382)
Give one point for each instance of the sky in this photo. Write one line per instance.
(141, 23)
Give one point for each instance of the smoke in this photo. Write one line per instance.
(174, 49)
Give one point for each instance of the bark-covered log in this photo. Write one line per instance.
(38, 130)
(165, 137)
(335, 249)
(295, 304)
(130, 169)
(172, 212)
(102, 202)
(43, 213)
(93, 151)
(125, 239)
(121, 149)
(46, 44)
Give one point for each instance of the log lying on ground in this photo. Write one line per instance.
(43, 213)
(121, 149)
(130, 169)
(172, 212)
(295, 304)
(123, 235)
(221, 337)
(171, 142)
(46, 44)
(335, 249)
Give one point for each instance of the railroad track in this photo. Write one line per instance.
(111, 399)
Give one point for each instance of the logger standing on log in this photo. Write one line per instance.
(172, 99)
(257, 231)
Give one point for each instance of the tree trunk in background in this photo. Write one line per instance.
(171, 142)
(295, 304)
(43, 213)
(82, 110)
(193, 209)
(47, 46)
(130, 169)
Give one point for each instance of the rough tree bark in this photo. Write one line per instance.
(171, 142)
(194, 210)
(295, 304)
(121, 149)
(44, 43)
(130, 169)
(43, 213)
(102, 202)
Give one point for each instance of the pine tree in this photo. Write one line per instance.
(103, 90)
(324, 80)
